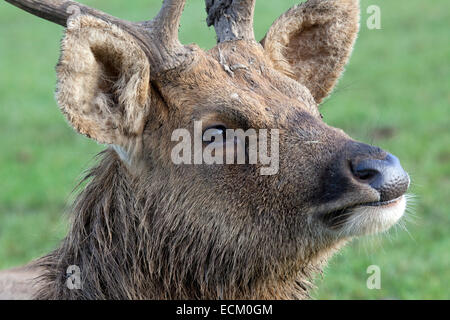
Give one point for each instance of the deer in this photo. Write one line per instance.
(143, 227)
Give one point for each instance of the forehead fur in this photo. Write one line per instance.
(236, 75)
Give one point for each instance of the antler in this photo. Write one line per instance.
(232, 19)
(167, 22)
(158, 37)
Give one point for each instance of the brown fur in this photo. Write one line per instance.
(103, 79)
(152, 252)
(145, 228)
(312, 42)
(19, 283)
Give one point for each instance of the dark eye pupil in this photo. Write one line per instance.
(220, 129)
(216, 131)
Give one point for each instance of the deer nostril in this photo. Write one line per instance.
(366, 175)
(386, 176)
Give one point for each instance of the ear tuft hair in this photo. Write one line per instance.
(103, 81)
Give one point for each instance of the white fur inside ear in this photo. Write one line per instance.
(103, 81)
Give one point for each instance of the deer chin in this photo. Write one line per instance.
(367, 219)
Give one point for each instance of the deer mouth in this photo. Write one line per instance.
(383, 203)
(366, 218)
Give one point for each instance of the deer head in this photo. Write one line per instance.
(222, 230)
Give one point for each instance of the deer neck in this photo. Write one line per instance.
(121, 257)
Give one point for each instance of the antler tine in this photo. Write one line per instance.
(167, 22)
(58, 11)
(232, 19)
(157, 37)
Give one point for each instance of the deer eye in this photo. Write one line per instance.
(210, 133)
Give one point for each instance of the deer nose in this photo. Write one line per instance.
(386, 176)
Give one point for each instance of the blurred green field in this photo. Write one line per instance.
(395, 94)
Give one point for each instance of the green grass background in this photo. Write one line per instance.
(395, 93)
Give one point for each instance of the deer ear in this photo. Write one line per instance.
(312, 42)
(103, 81)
